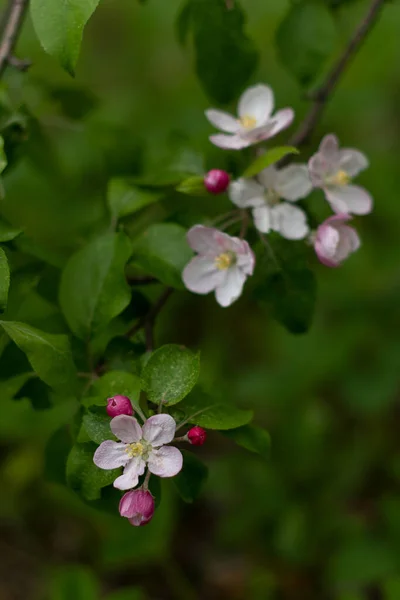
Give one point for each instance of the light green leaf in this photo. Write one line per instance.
(170, 374)
(162, 251)
(59, 26)
(49, 354)
(252, 438)
(74, 582)
(83, 476)
(191, 479)
(305, 39)
(124, 198)
(93, 288)
(204, 411)
(193, 186)
(269, 158)
(8, 232)
(10, 387)
(4, 280)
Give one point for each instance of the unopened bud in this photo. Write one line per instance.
(197, 436)
(119, 405)
(137, 506)
(216, 181)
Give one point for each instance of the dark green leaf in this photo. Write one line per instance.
(93, 288)
(183, 22)
(170, 374)
(59, 26)
(3, 157)
(204, 411)
(252, 438)
(82, 474)
(269, 158)
(4, 280)
(124, 198)
(305, 39)
(191, 479)
(180, 163)
(97, 428)
(8, 232)
(127, 593)
(49, 354)
(225, 56)
(73, 582)
(116, 383)
(162, 251)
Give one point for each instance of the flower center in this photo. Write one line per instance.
(224, 260)
(137, 449)
(247, 121)
(272, 197)
(340, 178)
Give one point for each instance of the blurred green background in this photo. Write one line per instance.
(319, 520)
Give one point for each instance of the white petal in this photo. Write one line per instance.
(268, 177)
(166, 461)
(262, 218)
(132, 472)
(349, 242)
(257, 102)
(329, 147)
(246, 192)
(223, 120)
(290, 221)
(201, 276)
(319, 169)
(229, 142)
(207, 241)
(253, 136)
(126, 429)
(352, 161)
(293, 182)
(350, 199)
(245, 259)
(281, 120)
(231, 288)
(110, 455)
(159, 430)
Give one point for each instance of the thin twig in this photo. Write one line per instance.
(12, 27)
(147, 322)
(141, 280)
(321, 96)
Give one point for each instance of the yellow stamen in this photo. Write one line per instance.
(136, 449)
(340, 178)
(248, 122)
(224, 261)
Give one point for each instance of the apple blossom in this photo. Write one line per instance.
(137, 506)
(254, 123)
(222, 265)
(270, 214)
(216, 181)
(119, 405)
(332, 169)
(140, 446)
(334, 241)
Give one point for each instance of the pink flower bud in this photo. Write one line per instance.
(197, 436)
(137, 506)
(119, 405)
(335, 240)
(216, 181)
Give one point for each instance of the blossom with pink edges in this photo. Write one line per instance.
(334, 241)
(137, 506)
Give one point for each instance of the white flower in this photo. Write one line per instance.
(222, 265)
(334, 240)
(140, 446)
(269, 213)
(255, 122)
(332, 170)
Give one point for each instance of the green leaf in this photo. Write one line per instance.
(225, 56)
(83, 476)
(170, 374)
(162, 251)
(59, 26)
(116, 382)
(8, 232)
(3, 157)
(4, 280)
(194, 186)
(97, 428)
(124, 198)
(191, 479)
(93, 288)
(49, 354)
(269, 158)
(305, 39)
(183, 23)
(252, 438)
(74, 582)
(202, 410)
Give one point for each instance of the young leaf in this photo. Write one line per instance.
(252, 438)
(162, 251)
(170, 374)
(83, 476)
(225, 56)
(124, 198)
(269, 158)
(191, 479)
(93, 288)
(4, 280)
(194, 186)
(59, 26)
(49, 354)
(202, 410)
(305, 39)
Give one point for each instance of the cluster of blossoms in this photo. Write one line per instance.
(140, 448)
(224, 262)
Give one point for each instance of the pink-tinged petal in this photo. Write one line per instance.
(335, 240)
(329, 147)
(259, 134)
(223, 120)
(257, 102)
(268, 177)
(350, 199)
(246, 193)
(290, 221)
(231, 288)
(281, 120)
(110, 455)
(201, 275)
(245, 259)
(126, 429)
(159, 430)
(207, 241)
(165, 462)
(319, 169)
(262, 218)
(229, 142)
(293, 182)
(352, 161)
(132, 472)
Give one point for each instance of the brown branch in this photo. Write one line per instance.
(10, 32)
(321, 96)
(147, 322)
